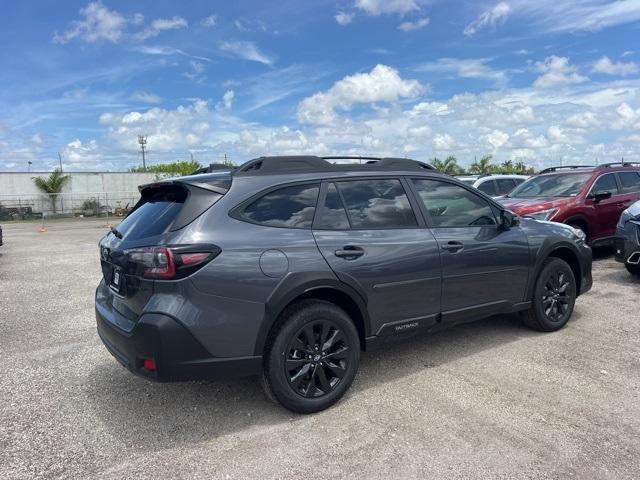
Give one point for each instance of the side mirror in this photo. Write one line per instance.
(598, 197)
(508, 220)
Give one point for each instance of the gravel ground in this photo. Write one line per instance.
(484, 400)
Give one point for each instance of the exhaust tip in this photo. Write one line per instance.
(634, 258)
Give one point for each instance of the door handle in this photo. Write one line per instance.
(453, 247)
(349, 252)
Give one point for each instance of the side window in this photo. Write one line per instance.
(505, 185)
(450, 205)
(377, 203)
(333, 215)
(605, 183)
(630, 181)
(488, 187)
(291, 207)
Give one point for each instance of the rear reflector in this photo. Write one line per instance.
(149, 364)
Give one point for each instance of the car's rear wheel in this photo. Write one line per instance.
(553, 298)
(312, 357)
(633, 269)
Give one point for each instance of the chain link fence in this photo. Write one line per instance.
(66, 205)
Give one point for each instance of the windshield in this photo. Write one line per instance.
(557, 185)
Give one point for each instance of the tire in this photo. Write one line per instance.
(300, 377)
(633, 269)
(554, 297)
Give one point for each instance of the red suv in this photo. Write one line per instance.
(589, 198)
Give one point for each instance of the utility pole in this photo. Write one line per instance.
(29, 167)
(60, 158)
(142, 140)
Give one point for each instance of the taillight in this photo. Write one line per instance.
(167, 263)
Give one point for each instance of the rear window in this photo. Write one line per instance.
(155, 212)
(291, 207)
(630, 181)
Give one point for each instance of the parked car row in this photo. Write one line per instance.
(493, 184)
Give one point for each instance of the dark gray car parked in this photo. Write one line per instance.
(627, 240)
(289, 267)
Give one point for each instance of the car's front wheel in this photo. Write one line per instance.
(554, 297)
(312, 357)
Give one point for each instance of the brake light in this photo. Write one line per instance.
(156, 262)
(167, 263)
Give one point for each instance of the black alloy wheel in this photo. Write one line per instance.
(317, 359)
(555, 300)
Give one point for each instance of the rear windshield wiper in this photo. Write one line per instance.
(116, 232)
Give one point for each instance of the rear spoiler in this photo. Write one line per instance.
(213, 182)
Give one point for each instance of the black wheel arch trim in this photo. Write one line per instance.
(296, 285)
(544, 253)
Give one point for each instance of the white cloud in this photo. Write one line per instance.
(209, 21)
(496, 139)
(582, 120)
(82, 155)
(382, 84)
(490, 18)
(160, 25)
(344, 18)
(443, 142)
(99, 23)
(464, 67)
(557, 72)
(415, 25)
(605, 65)
(146, 97)
(381, 7)
(246, 51)
(227, 100)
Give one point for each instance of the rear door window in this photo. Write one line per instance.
(377, 203)
(293, 207)
(630, 181)
(154, 214)
(488, 187)
(505, 185)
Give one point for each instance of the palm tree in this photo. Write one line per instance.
(483, 165)
(448, 166)
(52, 186)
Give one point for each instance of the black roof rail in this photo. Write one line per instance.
(567, 167)
(310, 163)
(619, 164)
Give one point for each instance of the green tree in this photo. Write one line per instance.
(52, 186)
(483, 165)
(448, 166)
(173, 169)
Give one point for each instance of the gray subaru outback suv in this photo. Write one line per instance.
(289, 267)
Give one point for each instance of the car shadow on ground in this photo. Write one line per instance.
(156, 416)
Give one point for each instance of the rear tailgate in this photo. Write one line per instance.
(163, 208)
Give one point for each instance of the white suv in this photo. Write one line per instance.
(494, 185)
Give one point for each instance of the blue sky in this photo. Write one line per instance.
(544, 81)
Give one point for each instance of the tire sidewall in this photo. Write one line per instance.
(552, 266)
(275, 369)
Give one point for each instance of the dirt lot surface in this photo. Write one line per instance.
(484, 400)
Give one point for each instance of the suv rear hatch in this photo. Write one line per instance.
(137, 253)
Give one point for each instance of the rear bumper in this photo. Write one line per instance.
(177, 354)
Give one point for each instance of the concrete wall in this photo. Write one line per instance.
(111, 189)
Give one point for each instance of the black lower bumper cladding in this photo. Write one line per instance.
(177, 354)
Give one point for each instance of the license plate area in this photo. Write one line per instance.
(117, 280)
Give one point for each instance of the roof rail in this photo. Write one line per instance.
(619, 164)
(567, 167)
(309, 163)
